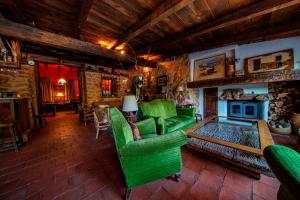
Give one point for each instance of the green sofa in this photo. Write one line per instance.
(168, 118)
(285, 164)
(150, 158)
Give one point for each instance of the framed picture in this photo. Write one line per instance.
(162, 81)
(209, 68)
(270, 62)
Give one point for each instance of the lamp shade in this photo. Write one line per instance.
(129, 104)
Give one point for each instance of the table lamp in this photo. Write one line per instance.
(130, 106)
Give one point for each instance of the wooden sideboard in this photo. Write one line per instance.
(17, 110)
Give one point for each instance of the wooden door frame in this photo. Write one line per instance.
(204, 101)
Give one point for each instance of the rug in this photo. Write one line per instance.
(239, 134)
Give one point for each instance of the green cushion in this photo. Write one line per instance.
(179, 122)
(159, 108)
(149, 136)
(285, 164)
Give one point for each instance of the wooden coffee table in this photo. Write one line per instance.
(264, 135)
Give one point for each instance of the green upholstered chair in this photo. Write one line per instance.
(150, 158)
(168, 118)
(285, 164)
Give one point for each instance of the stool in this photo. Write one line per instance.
(10, 127)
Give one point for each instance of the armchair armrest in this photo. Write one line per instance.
(186, 111)
(147, 126)
(154, 145)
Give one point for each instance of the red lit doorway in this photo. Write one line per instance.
(58, 88)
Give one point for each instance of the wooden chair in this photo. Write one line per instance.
(12, 142)
(86, 113)
(101, 118)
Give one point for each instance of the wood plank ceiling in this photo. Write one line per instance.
(166, 27)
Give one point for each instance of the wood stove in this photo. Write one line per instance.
(244, 109)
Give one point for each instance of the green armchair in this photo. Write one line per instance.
(151, 158)
(285, 164)
(168, 118)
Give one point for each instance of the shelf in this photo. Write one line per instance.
(265, 77)
(8, 64)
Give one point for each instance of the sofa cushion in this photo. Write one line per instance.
(149, 136)
(179, 122)
(159, 108)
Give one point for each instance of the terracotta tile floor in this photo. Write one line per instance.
(65, 161)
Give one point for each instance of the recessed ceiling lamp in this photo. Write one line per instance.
(62, 81)
(122, 52)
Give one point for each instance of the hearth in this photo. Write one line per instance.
(244, 109)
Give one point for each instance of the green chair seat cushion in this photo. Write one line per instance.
(179, 122)
(285, 164)
(149, 136)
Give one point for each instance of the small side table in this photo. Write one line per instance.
(198, 117)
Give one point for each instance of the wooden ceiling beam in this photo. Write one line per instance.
(164, 10)
(86, 7)
(14, 8)
(37, 36)
(255, 10)
(268, 33)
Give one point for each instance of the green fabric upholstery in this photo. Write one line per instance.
(285, 164)
(167, 117)
(151, 158)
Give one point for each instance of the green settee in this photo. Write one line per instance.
(150, 158)
(168, 118)
(285, 164)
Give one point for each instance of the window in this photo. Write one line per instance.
(106, 87)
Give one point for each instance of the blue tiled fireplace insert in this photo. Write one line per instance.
(244, 109)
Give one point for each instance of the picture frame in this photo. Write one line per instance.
(274, 61)
(209, 68)
(162, 81)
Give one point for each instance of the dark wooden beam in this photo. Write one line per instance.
(13, 7)
(86, 7)
(37, 36)
(255, 10)
(164, 10)
(268, 33)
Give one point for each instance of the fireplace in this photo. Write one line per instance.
(244, 109)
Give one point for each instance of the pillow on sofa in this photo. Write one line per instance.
(135, 131)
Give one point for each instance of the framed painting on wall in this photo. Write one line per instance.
(270, 62)
(209, 68)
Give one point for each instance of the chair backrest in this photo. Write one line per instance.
(159, 108)
(121, 130)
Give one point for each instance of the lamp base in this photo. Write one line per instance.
(130, 116)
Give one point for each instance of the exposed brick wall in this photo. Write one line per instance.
(93, 85)
(178, 72)
(23, 83)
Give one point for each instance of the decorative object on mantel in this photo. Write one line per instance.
(209, 68)
(282, 126)
(230, 66)
(240, 72)
(270, 62)
(129, 107)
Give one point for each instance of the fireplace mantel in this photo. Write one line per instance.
(266, 77)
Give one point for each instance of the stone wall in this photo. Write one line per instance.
(284, 99)
(93, 86)
(22, 81)
(178, 73)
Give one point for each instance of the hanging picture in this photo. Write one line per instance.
(270, 62)
(209, 68)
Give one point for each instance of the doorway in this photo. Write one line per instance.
(58, 88)
(210, 101)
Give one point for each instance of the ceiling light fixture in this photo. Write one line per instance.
(62, 81)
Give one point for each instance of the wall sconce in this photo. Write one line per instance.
(62, 81)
